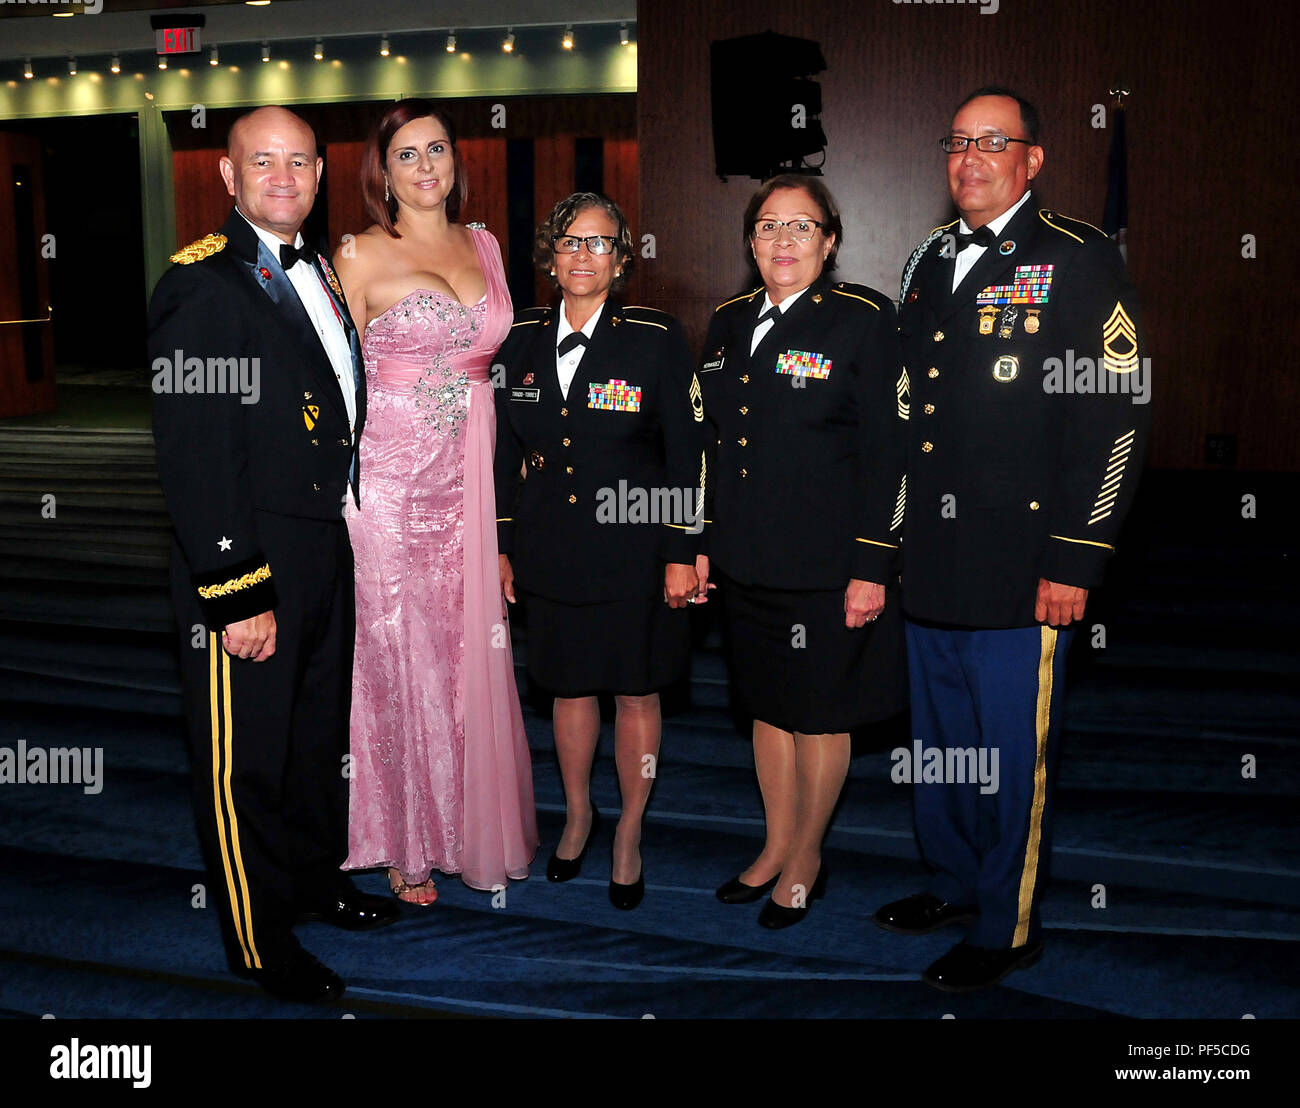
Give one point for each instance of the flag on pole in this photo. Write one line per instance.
(1115, 220)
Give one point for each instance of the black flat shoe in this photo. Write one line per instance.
(353, 911)
(566, 869)
(776, 916)
(297, 976)
(921, 914)
(736, 891)
(627, 897)
(966, 968)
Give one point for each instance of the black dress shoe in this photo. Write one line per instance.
(775, 916)
(736, 891)
(921, 914)
(297, 976)
(966, 968)
(566, 869)
(354, 911)
(627, 897)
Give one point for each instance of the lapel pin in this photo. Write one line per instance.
(528, 378)
(265, 273)
(1008, 247)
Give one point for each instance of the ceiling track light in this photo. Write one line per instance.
(451, 41)
(622, 35)
(266, 51)
(383, 47)
(508, 44)
(115, 66)
(27, 68)
(319, 52)
(72, 67)
(212, 56)
(567, 40)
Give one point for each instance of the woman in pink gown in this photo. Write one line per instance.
(440, 772)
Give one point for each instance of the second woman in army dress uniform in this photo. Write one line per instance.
(800, 378)
(599, 466)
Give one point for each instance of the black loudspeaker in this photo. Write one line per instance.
(765, 105)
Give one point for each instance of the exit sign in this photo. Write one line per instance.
(177, 40)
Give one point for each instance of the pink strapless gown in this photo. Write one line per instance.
(441, 774)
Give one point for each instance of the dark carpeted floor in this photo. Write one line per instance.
(1197, 862)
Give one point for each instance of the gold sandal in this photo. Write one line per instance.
(402, 887)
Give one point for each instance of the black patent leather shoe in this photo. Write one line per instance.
(354, 911)
(921, 914)
(627, 897)
(297, 976)
(966, 968)
(776, 916)
(566, 869)
(736, 891)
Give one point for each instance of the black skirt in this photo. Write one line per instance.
(632, 647)
(795, 665)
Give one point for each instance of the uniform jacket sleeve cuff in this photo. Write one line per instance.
(235, 592)
(872, 562)
(506, 537)
(680, 547)
(1079, 563)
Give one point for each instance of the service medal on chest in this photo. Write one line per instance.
(1006, 368)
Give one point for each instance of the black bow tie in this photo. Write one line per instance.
(983, 236)
(292, 255)
(570, 341)
(772, 313)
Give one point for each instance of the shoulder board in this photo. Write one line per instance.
(942, 227)
(200, 249)
(1076, 229)
(854, 292)
(531, 315)
(651, 317)
(735, 299)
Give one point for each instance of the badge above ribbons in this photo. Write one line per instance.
(804, 363)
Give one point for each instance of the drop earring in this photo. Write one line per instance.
(386, 196)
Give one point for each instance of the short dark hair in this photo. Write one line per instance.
(821, 195)
(375, 156)
(1029, 121)
(564, 213)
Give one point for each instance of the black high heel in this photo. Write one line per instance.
(775, 916)
(566, 869)
(736, 891)
(628, 897)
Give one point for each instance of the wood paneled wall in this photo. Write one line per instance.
(1209, 130)
(552, 123)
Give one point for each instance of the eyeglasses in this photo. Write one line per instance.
(989, 144)
(595, 244)
(801, 229)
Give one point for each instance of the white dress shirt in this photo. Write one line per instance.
(316, 300)
(767, 324)
(966, 259)
(566, 367)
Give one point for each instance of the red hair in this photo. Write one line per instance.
(384, 212)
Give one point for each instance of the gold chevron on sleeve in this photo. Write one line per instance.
(697, 399)
(900, 505)
(1119, 342)
(1112, 478)
(903, 386)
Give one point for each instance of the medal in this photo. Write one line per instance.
(1031, 321)
(1008, 247)
(1006, 368)
(1008, 321)
(987, 316)
(528, 378)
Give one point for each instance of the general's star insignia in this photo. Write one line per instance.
(224, 543)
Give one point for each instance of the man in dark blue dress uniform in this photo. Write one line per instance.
(1028, 415)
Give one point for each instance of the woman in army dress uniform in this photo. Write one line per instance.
(801, 379)
(599, 471)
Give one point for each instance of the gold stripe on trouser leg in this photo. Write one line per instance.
(1042, 722)
(230, 807)
(213, 649)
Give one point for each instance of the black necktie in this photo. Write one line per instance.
(772, 313)
(570, 341)
(983, 236)
(291, 255)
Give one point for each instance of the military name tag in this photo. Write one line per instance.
(804, 363)
(714, 364)
(530, 396)
(614, 396)
(1006, 368)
